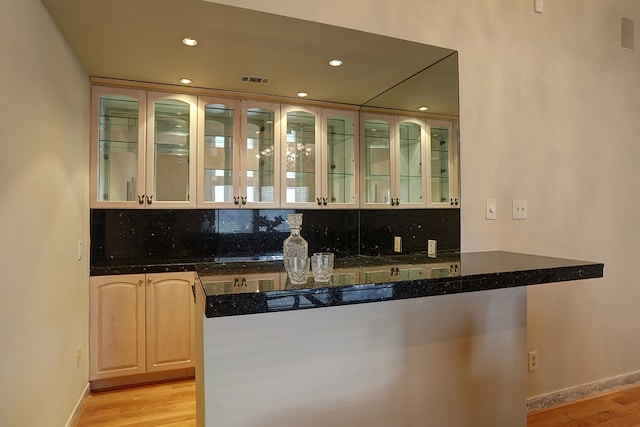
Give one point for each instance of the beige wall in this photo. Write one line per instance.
(44, 211)
(550, 112)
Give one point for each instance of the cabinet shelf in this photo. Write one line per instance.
(106, 144)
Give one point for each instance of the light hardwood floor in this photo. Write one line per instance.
(169, 404)
(173, 404)
(616, 409)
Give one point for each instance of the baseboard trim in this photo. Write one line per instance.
(141, 379)
(75, 415)
(584, 391)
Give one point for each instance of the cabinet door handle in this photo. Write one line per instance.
(319, 202)
(236, 201)
(324, 201)
(149, 281)
(140, 199)
(193, 291)
(150, 199)
(140, 282)
(244, 200)
(456, 202)
(397, 201)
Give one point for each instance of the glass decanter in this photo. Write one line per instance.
(295, 245)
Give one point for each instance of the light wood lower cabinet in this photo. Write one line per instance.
(140, 324)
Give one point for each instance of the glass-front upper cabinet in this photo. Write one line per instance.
(444, 170)
(376, 161)
(142, 149)
(219, 152)
(118, 136)
(410, 163)
(300, 157)
(171, 150)
(339, 155)
(260, 155)
(393, 159)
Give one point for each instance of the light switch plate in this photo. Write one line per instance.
(491, 209)
(520, 210)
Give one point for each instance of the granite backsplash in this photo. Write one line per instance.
(157, 236)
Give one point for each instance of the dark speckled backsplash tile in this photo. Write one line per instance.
(121, 236)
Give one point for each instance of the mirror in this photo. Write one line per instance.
(435, 87)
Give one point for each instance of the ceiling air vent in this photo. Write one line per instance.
(245, 78)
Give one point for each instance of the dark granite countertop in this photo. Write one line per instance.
(136, 268)
(239, 288)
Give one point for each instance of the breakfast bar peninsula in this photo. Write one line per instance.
(401, 340)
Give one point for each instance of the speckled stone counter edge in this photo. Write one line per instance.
(485, 271)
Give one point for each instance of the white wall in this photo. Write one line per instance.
(386, 364)
(44, 211)
(550, 112)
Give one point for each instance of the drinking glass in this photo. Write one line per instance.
(297, 269)
(322, 266)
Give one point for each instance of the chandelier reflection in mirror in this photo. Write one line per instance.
(267, 152)
(296, 149)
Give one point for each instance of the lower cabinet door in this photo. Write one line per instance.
(169, 321)
(116, 326)
(140, 323)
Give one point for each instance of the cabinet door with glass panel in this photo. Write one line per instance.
(393, 158)
(219, 153)
(444, 172)
(118, 140)
(410, 161)
(171, 150)
(339, 160)
(259, 155)
(300, 157)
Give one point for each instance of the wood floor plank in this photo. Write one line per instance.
(617, 409)
(173, 405)
(169, 404)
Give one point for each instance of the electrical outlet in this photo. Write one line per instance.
(397, 244)
(538, 6)
(533, 361)
(79, 356)
(431, 248)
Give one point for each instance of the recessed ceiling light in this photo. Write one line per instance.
(423, 108)
(189, 41)
(335, 62)
(302, 94)
(185, 81)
